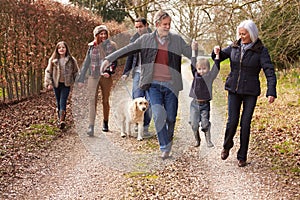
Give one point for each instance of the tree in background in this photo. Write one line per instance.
(278, 22)
(109, 10)
(214, 22)
(280, 25)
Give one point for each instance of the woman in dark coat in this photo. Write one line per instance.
(247, 57)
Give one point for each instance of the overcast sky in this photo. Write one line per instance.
(63, 1)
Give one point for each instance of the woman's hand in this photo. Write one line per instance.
(217, 50)
(106, 75)
(49, 87)
(271, 99)
(104, 66)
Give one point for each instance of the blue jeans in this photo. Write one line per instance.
(61, 94)
(137, 92)
(199, 113)
(164, 103)
(234, 105)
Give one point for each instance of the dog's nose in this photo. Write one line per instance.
(144, 109)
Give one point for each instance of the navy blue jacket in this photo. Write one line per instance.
(201, 88)
(244, 72)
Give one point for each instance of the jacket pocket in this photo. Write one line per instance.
(228, 82)
(252, 86)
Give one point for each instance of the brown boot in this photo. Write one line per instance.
(62, 123)
(58, 117)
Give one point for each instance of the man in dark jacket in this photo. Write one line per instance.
(133, 64)
(161, 53)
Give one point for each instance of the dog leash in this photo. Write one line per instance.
(127, 89)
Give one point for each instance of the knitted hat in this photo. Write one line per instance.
(98, 29)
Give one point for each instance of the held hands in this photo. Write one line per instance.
(104, 66)
(194, 45)
(217, 50)
(106, 75)
(124, 77)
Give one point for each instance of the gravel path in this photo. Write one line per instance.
(108, 167)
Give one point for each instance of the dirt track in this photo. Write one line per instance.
(79, 167)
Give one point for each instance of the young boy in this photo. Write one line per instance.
(201, 92)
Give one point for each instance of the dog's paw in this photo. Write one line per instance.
(140, 138)
(123, 135)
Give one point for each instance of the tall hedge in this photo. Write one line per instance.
(29, 31)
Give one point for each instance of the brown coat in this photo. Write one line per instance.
(52, 72)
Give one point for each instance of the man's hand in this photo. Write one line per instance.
(50, 87)
(80, 85)
(104, 66)
(124, 77)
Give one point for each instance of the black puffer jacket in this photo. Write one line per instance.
(244, 72)
(147, 45)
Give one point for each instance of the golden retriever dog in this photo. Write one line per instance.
(133, 113)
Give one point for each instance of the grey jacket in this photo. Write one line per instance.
(108, 47)
(132, 60)
(148, 47)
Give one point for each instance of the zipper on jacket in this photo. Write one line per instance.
(238, 80)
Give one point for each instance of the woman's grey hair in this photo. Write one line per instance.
(250, 26)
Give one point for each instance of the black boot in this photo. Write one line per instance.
(198, 139)
(91, 130)
(105, 126)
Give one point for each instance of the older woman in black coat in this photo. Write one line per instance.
(247, 57)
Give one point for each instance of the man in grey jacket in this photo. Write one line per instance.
(161, 53)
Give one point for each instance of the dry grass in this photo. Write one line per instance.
(275, 127)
